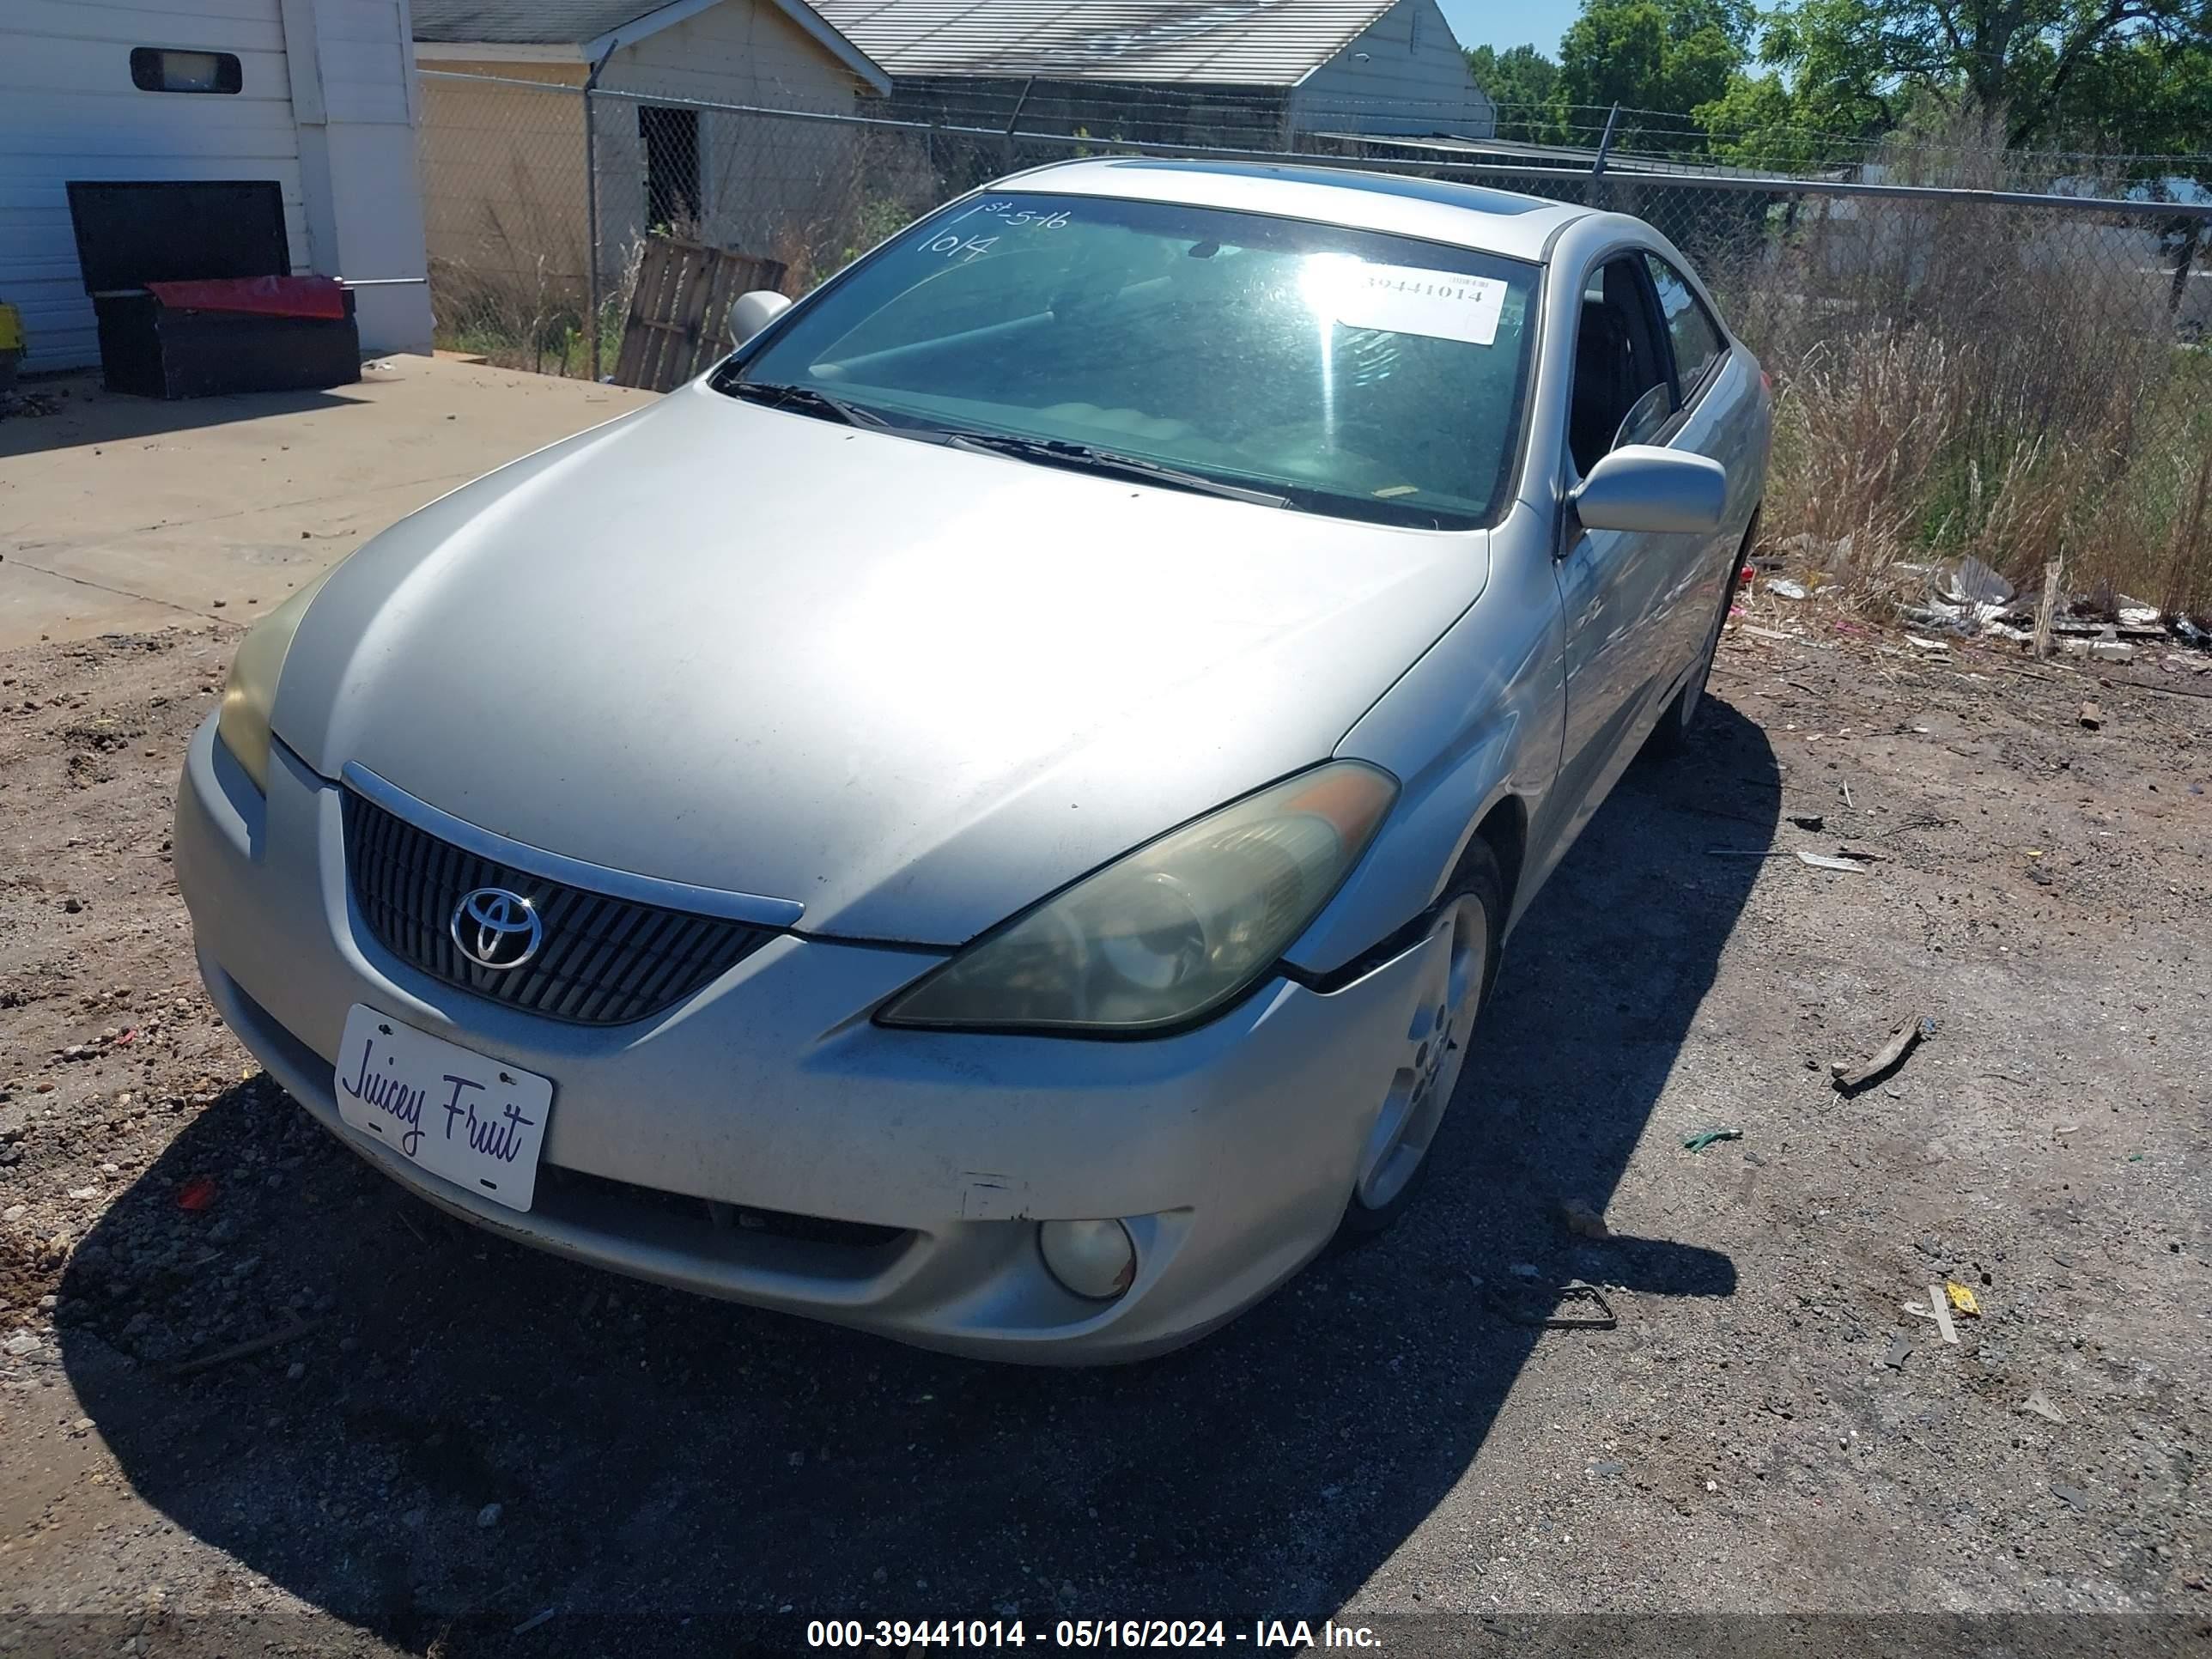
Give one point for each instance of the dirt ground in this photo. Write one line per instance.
(452, 1445)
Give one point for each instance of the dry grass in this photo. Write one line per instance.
(891, 180)
(1968, 379)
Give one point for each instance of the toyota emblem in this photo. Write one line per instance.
(496, 929)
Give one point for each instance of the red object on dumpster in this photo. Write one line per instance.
(262, 296)
(195, 1194)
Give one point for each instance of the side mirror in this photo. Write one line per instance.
(751, 313)
(1644, 487)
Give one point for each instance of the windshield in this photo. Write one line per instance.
(1337, 371)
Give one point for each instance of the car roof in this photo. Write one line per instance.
(1459, 215)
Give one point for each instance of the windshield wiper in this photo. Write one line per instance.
(806, 400)
(1086, 458)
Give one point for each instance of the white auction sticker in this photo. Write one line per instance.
(1410, 300)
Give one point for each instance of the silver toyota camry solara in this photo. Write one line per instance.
(989, 817)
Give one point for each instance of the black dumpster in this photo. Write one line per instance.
(242, 331)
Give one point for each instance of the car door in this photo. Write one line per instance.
(1705, 421)
(1615, 586)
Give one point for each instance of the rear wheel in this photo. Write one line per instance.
(1460, 964)
(1671, 735)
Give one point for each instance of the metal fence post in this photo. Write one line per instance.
(1596, 192)
(2184, 255)
(592, 212)
(1014, 121)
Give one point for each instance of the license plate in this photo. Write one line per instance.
(476, 1120)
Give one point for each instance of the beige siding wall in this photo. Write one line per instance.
(742, 51)
(764, 186)
(503, 186)
(1414, 79)
(504, 196)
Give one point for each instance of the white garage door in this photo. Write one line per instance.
(69, 109)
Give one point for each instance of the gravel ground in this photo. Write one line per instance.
(452, 1436)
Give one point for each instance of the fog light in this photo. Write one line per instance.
(1094, 1259)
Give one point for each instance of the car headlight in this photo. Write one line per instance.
(251, 692)
(1173, 930)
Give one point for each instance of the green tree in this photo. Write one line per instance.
(2027, 68)
(1755, 122)
(1668, 56)
(2146, 97)
(1521, 82)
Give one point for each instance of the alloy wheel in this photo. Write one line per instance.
(1435, 1054)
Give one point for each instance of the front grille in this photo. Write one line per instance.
(605, 961)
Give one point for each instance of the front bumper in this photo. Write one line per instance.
(919, 1161)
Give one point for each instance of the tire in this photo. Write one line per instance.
(1671, 735)
(1417, 1093)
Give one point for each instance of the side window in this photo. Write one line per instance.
(1621, 393)
(1696, 338)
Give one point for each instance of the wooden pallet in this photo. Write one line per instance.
(679, 312)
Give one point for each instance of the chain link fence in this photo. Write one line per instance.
(2016, 375)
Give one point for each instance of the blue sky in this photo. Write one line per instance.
(1486, 23)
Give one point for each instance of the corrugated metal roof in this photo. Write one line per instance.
(524, 22)
(1268, 43)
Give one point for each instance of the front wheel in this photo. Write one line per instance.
(1460, 963)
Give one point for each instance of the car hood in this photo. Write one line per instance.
(909, 687)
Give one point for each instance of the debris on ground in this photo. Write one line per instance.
(1968, 596)
(1826, 861)
(1545, 1316)
(1581, 1220)
(1903, 1038)
(1704, 1138)
(1962, 1299)
(2073, 1496)
(2091, 716)
(1900, 1351)
(29, 403)
(1812, 821)
(247, 1349)
(2039, 638)
(1970, 581)
(1783, 587)
(1941, 1311)
(195, 1194)
(2040, 1403)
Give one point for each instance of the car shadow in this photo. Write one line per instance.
(455, 1436)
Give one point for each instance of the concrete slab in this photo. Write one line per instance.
(120, 513)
